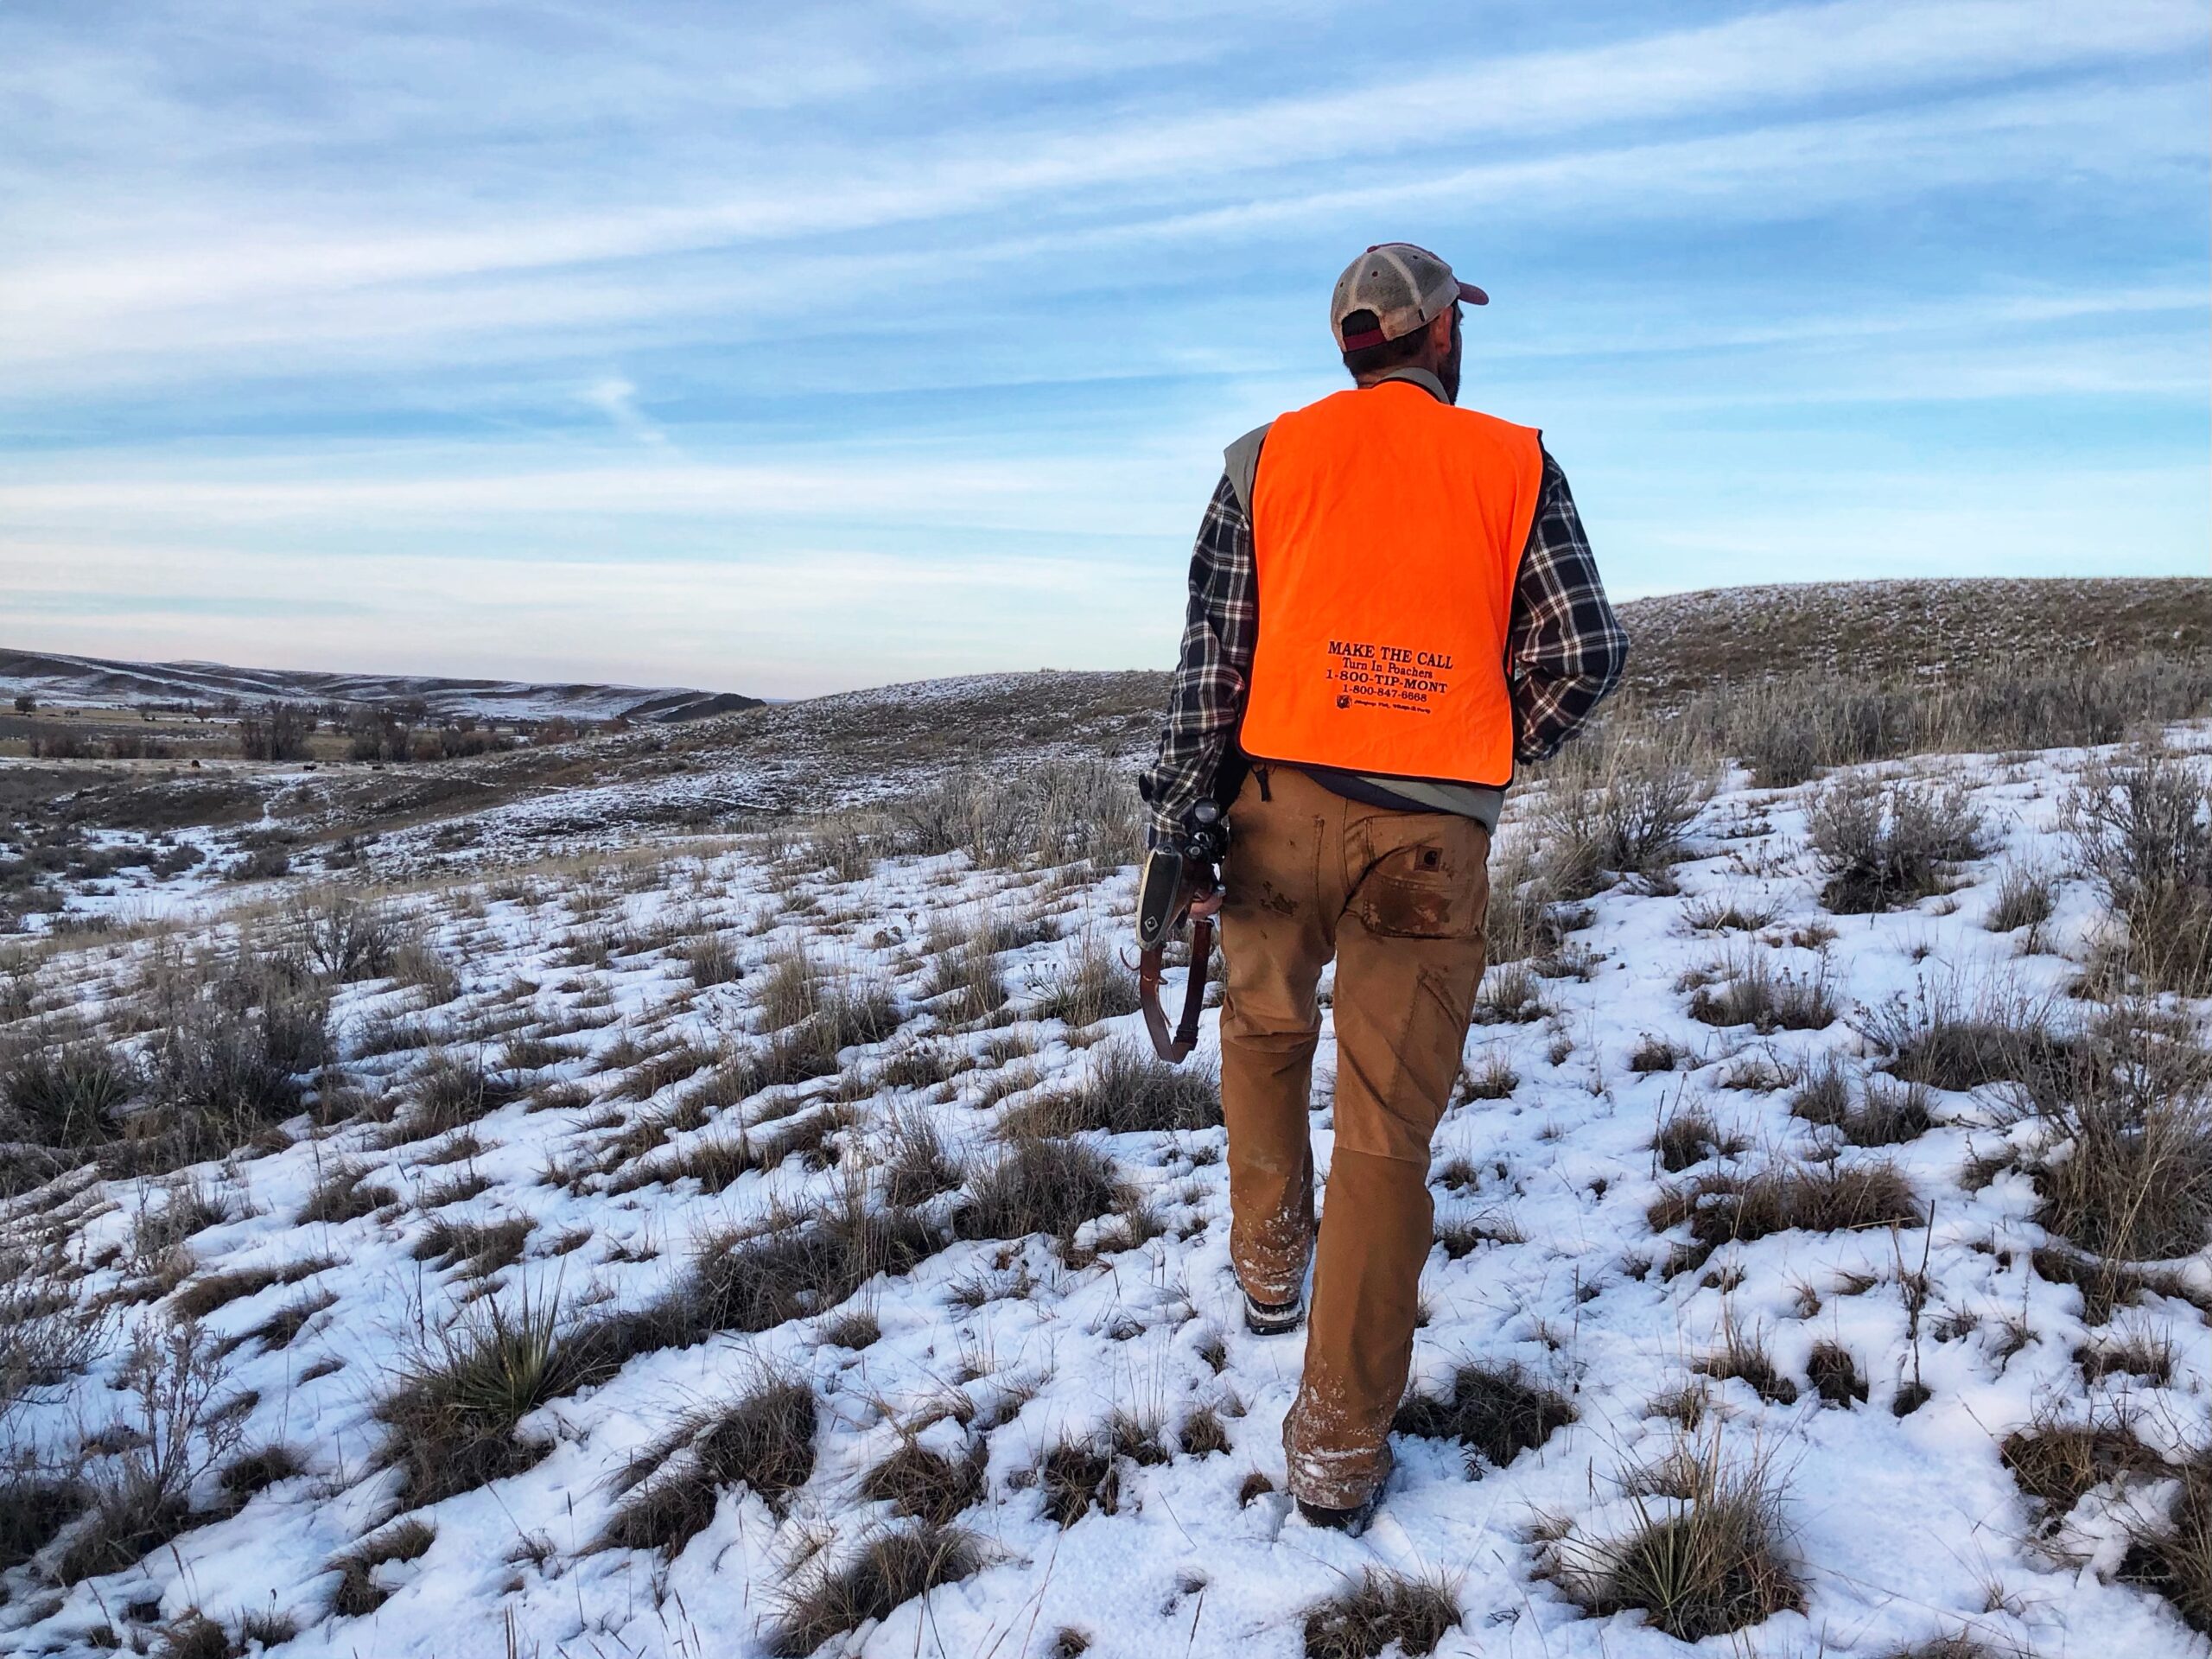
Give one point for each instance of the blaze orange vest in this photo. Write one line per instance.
(1388, 528)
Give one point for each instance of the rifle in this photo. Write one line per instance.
(1173, 877)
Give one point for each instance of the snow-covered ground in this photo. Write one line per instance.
(1903, 1529)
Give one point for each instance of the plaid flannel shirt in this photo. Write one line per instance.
(1567, 646)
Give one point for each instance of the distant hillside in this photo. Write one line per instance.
(1878, 629)
(54, 677)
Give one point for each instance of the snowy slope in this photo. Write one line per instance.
(1903, 1527)
(62, 680)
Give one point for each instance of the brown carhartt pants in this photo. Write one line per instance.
(1398, 899)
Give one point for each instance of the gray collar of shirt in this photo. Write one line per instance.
(1421, 378)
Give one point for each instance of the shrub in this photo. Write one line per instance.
(1618, 807)
(1887, 844)
(232, 1061)
(346, 937)
(1496, 1412)
(1384, 1609)
(2127, 1169)
(140, 1497)
(891, 1569)
(2143, 829)
(764, 1440)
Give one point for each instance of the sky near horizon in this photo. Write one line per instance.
(782, 350)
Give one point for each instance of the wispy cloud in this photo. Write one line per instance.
(335, 281)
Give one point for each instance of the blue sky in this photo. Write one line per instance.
(786, 349)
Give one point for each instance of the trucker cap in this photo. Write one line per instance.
(1404, 287)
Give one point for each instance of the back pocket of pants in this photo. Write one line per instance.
(1432, 891)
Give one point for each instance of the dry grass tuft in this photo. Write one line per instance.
(1075, 1476)
(1742, 1358)
(1753, 992)
(925, 1485)
(2171, 1553)
(1836, 1377)
(2054, 1462)
(1125, 1090)
(1384, 1609)
(263, 1467)
(1091, 986)
(1509, 995)
(1496, 1412)
(1814, 1197)
(2126, 1174)
(1203, 1433)
(482, 1248)
(765, 1440)
(345, 1193)
(1041, 1185)
(1946, 1039)
(796, 1263)
(359, 1594)
(1689, 1135)
(453, 1091)
(202, 1296)
(1704, 1556)
(916, 1166)
(1867, 1112)
(453, 1415)
(2026, 896)
(891, 1569)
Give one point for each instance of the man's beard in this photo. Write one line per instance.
(1448, 372)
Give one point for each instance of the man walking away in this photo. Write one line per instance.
(1391, 602)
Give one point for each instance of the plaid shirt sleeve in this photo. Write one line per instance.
(1207, 695)
(1567, 647)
